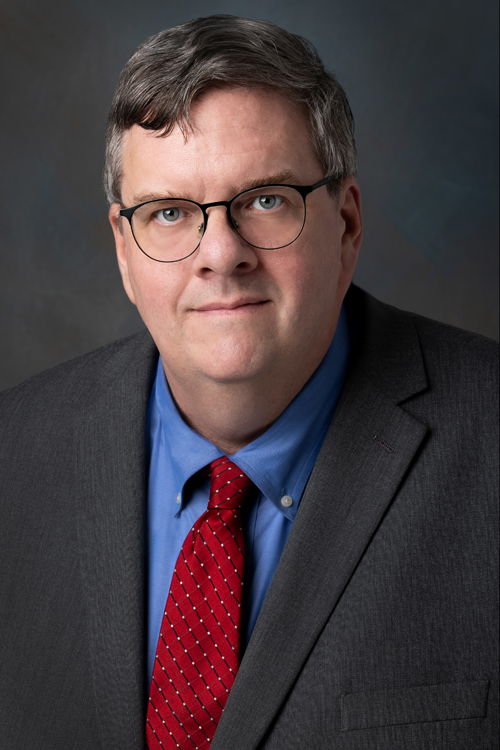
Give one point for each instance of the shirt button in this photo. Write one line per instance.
(286, 501)
(179, 498)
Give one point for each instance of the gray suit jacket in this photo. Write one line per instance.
(379, 628)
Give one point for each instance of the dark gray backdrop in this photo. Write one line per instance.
(422, 79)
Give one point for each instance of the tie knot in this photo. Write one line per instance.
(229, 486)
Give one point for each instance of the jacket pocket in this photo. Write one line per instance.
(457, 700)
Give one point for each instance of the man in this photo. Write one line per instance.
(338, 590)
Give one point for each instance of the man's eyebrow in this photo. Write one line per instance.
(274, 179)
(145, 197)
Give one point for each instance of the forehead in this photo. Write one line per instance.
(238, 135)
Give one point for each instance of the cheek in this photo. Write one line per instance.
(156, 289)
(308, 280)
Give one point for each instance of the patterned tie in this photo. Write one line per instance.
(197, 656)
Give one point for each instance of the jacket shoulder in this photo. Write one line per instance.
(464, 363)
(72, 384)
(441, 336)
(451, 346)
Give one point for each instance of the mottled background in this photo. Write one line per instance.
(422, 79)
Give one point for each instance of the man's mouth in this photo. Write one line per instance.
(232, 305)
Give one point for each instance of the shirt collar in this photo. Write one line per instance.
(279, 461)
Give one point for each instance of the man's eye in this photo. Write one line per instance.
(169, 215)
(267, 202)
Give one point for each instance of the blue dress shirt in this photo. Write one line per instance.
(278, 462)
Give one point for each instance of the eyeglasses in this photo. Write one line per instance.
(268, 218)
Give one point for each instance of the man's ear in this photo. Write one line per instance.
(119, 232)
(350, 212)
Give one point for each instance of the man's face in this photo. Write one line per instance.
(231, 313)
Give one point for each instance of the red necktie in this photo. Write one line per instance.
(197, 656)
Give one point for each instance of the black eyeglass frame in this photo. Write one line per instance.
(303, 190)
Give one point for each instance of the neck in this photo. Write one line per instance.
(231, 415)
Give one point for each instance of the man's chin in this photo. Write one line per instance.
(237, 365)
(226, 374)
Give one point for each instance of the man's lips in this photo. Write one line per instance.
(231, 305)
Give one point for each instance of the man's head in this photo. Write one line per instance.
(171, 69)
(253, 322)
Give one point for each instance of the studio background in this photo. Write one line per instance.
(422, 80)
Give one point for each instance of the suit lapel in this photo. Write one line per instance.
(110, 454)
(368, 450)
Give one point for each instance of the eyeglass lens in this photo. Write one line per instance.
(267, 218)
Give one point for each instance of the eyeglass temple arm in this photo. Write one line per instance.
(127, 212)
(305, 190)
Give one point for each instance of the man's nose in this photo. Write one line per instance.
(221, 249)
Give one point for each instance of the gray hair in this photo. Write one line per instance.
(169, 70)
